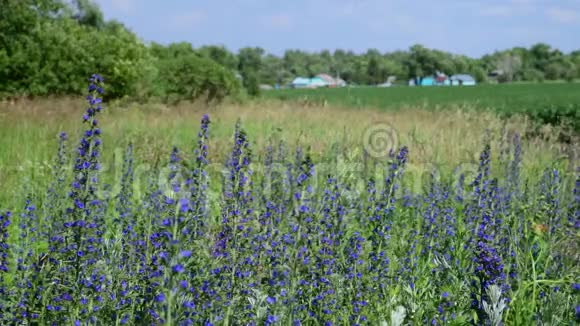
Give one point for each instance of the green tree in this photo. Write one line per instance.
(374, 71)
(533, 74)
(294, 61)
(191, 77)
(541, 54)
(220, 55)
(561, 68)
(510, 65)
(48, 49)
(249, 65)
(421, 61)
(250, 59)
(173, 50)
(345, 62)
(479, 74)
(273, 71)
(252, 83)
(86, 12)
(575, 59)
(20, 23)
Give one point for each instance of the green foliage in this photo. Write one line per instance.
(273, 71)
(479, 75)
(533, 74)
(220, 55)
(249, 63)
(173, 50)
(45, 45)
(250, 59)
(537, 63)
(554, 114)
(372, 67)
(122, 60)
(72, 50)
(189, 77)
(251, 83)
(88, 13)
(56, 47)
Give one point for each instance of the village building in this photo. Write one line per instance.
(462, 80)
(320, 80)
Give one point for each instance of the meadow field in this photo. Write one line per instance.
(553, 103)
(29, 132)
(290, 213)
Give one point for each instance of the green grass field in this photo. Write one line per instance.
(469, 210)
(29, 134)
(546, 103)
(463, 215)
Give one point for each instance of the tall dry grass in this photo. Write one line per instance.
(29, 130)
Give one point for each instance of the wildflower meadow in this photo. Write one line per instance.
(287, 240)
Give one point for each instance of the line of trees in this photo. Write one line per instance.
(50, 46)
(537, 63)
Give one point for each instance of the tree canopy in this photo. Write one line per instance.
(50, 46)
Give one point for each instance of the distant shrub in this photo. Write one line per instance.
(533, 75)
(252, 83)
(191, 77)
(567, 115)
(49, 59)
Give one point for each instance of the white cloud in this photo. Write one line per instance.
(508, 9)
(124, 5)
(280, 21)
(189, 19)
(523, 2)
(564, 16)
(401, 22)
(497, 11)
(344, 10)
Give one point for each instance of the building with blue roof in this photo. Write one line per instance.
(301, 82)
(462, 80)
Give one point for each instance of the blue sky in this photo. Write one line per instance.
(471, 27)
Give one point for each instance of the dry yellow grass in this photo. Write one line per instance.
(452, 135)
(29, 129)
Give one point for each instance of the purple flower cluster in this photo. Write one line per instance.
(292, 243)
(5, 219)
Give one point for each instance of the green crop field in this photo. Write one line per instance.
(546, 103)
